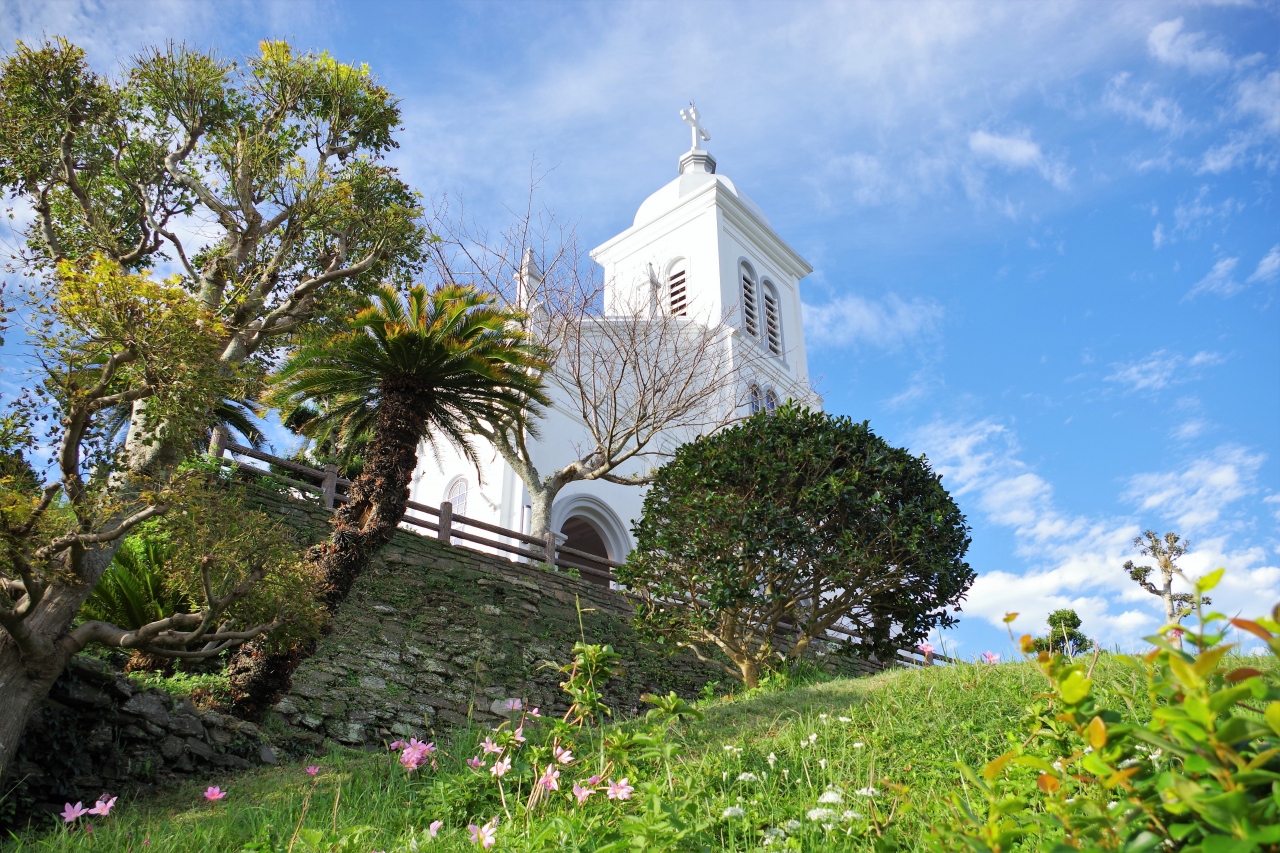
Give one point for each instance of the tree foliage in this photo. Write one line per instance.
(410, 367)
(1065, 635)
(787, 524)
(262, 185)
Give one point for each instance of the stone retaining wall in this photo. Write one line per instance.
(435, 634)
(100, 733)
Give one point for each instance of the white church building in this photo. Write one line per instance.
(718, 257)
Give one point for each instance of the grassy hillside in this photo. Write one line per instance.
(820, 766)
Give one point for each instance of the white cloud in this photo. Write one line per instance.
(1269, 267)
(1192, 217)
(1157, 113)
(1074, 561)
(886, 323)
(1261, 97)
(1157, 236)
(1169, 44)
(1161, 369)
(1226, 156)
(1219, 280)
(1195, 497)
(1018, 152)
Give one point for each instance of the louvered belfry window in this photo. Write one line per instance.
(750, 312)
(772, 322)
(679, 292)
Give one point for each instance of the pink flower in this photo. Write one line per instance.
(925, 648)
(535, 713)
(103, 806)
(550, 778)
(581, 793)
(399, 745)
(435, 827)
(500, 767)
(561, 754)
(214, 793)
(619, 790)
(1175, 633)
(518, 735)
(594, 780)
(416, 753)
(990, 657)
(71, 812)
(313, 770)
(475, 763)
(510, 705)
(486, 836)
(489, 747)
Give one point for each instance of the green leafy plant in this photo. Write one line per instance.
(132, 591)
(1188, 761)
(786, 524)
(1064, 634)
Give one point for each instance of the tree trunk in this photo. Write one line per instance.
(25, 679)
(750, 672)
(541, 502)
(361, 527)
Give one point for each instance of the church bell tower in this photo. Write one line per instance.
(701, 249)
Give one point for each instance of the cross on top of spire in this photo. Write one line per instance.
(693, 119)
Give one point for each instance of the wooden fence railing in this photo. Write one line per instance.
(469, 532)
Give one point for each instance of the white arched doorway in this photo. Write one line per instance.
(588, 524)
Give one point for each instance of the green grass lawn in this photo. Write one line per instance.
(819, 766)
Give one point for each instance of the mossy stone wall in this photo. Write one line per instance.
(434, 634)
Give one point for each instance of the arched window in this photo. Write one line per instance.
(750, 310)
(457, 495)
(755, 399)
(678, 289)
(772, 319)
(770, 400)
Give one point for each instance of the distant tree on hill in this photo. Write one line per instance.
(1064, 634)
(1165, 550)
(787, 524)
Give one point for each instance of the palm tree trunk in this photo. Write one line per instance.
(376, 503)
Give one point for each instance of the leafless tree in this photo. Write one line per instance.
(637, 379)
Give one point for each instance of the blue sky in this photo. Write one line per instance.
(1045, 236)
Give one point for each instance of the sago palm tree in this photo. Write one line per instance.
(429, 366)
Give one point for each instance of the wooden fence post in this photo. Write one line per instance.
(549, 548)
(446, 521)
(329, 487)
(218, 441)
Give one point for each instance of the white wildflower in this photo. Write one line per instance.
(849, 815)
(866, 792)
(813, 736)
(733, 811)
(831, 798)
(845, 719)
(791, 825)
(820, 814)
(857, 745)
(774, 835)
(747, 777)
(773, 759)
(822, 762)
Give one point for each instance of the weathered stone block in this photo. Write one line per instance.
(149, 706)
(172, 747)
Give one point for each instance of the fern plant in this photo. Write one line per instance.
(132, 591)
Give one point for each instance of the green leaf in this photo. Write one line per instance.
(1210, 580)
(1272, 716)
(1075, 687)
